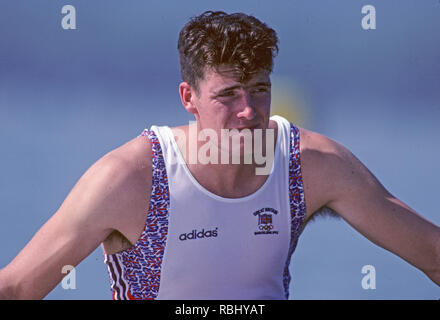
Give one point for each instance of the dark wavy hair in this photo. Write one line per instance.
(237, 40)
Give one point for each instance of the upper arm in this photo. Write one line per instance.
(90, 212)
(360, 199)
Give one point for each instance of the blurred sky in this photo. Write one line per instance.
(67, 97)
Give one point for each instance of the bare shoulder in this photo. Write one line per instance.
(331, 172)
(129, 168)
(315, 143)
(336, 179)
(129, 163)
(115, 181)
(134, 155)
(320, 155)
(324, 153)
(111, 196)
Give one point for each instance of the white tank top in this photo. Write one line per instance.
(198, 245)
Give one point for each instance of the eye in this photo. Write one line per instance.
(260, 90)
(226, 94)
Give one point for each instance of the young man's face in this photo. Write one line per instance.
(223, 102)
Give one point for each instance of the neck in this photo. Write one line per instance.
(220, 174)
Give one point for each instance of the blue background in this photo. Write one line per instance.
(67, 97)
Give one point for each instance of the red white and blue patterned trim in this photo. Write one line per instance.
(135, 272)
(297, 201)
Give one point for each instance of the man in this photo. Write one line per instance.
(176, 226)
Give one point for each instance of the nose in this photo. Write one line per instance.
(247, 109)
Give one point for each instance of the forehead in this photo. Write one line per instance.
(213, 79)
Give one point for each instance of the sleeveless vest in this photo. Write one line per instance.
(197, 245)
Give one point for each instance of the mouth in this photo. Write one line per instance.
(241, 128)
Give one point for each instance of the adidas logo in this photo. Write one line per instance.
(198, 234)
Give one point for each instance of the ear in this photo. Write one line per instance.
(187, 96)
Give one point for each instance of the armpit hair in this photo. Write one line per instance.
(324, 212)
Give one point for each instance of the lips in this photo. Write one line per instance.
(247, 127)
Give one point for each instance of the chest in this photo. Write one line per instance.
(212, 244)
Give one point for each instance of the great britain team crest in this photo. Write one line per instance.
(265, 220)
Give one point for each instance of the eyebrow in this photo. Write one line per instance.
(262, 83)
(257, 84)
(216, 92)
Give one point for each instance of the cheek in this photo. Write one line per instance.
(221, 108)
(267, 98)
(263, 103)
(214, 112)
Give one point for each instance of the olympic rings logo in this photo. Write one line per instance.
(266, 227)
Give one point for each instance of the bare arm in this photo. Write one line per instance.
(90, 212)
(361, 200)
